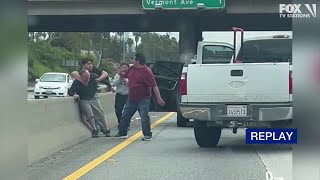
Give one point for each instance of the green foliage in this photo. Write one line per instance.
(157, 47)
(36, 70)
(44, 58)
(136, 38)
(130, 44)
(113, 49)
(72, 41)
(108, 67)
(47, 51)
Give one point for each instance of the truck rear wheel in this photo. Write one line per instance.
(206, 136)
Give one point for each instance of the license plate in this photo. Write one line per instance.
(237, 110)
(49, 92)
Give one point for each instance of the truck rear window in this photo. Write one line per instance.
(213, 54)
(269, 50)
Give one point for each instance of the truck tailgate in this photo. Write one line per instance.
(252, 82)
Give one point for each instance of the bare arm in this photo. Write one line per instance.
(151, 82)
(76, 75)
(126, 81)
(103, 76)
(156, 92)
(158, 96)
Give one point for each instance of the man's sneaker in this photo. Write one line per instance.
(120, 136)
(95, 133)
(107, 133)
(147, 138)
(102, 129)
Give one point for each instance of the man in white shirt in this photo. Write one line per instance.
(122, 90)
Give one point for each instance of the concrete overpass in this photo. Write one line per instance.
(111, 7)
(128, 15)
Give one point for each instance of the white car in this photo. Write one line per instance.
(53, 84)
(103, 86)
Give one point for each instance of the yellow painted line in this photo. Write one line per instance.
(88, 167)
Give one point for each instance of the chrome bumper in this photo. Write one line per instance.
(54, 93)
(218, 112)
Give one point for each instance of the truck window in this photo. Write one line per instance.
(268, 50)
(213, 54)
(168, 69)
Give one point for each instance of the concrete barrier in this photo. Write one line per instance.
(55, 124)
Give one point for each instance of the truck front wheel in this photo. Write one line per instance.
(206, 136)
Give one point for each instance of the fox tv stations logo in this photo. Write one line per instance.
(297, 10)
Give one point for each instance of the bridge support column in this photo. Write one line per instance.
(189, 35)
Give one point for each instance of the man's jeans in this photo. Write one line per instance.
(120, 101)
(129, 110)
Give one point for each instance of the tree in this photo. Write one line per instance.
(40, 36)
(37, 36)
(43, 58)
(72, 41)
(112, 49)
(136, 38)
(31, 36)
(120, 33)
(96, 43)
(130, 43)
(47, 50)
(158, 47)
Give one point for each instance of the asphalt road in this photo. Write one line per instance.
(173, 154)
(30, 95)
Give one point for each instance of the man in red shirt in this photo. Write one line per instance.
(141, 84)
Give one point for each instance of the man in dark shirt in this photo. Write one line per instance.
(88, 65)
(86, 88)
(141, 84)
(103, 77)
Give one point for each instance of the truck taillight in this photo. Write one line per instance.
(183, 84)
(290, 82)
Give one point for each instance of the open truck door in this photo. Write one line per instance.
(167, 75)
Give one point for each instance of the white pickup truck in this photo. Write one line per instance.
(246, 88)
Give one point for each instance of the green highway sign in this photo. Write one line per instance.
(183, 4)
